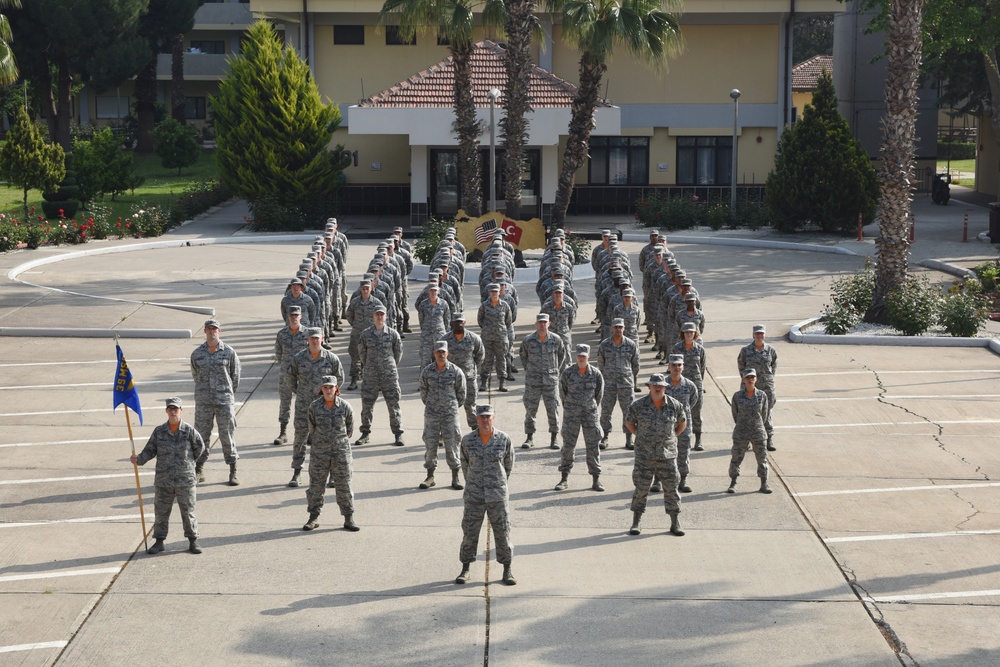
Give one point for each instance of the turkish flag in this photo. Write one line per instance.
(513, 231)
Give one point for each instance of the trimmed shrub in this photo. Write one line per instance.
(956, 150)
(914, 307)
(102, 167)
(176, 144)
(850, 297)
(580, 247)
(965, 309)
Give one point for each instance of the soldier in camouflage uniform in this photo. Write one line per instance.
(360, 314)
(618, 360)
(561, 315)
(487, 457)
(494, 318)
(694, 370)
(689, 314)
(543, 356)
(628, 312)
(435, 320)
(750, 409)
(648, 250)
(581, 387)
(176, 446)
(442, 390)
(306, 374)
(763, 358)
(216, 370)
(381, 351)
(686, 393)
(331, 425)
(656, 420)
(294, 296)
(465, 350)
(290, 341)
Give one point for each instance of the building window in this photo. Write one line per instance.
(393, 38)
(619, 161)
(215, 47)
(194, 108)
(704, 160)
(111, 107)
(349, 34)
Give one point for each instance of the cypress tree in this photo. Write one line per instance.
(28, 161)
(273, 131)
(821, 172)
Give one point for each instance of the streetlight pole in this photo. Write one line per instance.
(494, 95)
(735, 94)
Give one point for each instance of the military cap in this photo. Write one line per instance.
(433, 285)
(331, 221)
(380, 309)
(329, 380)
(397, 229)
(366, 283)
(628, 292)
(690, 296)
(686, 281)
(327, 235)
(654, 232)
(605, 232)
(213, 323)
(618, 322)
(368, 276)
(294, 281)
(583, 349)
(493, 287)
(295, 310)
(302, 274)
(441, 345)
(750, 372)
(484, 410)
(759, 328)
(500, 231)
(559, 233)
(657, 379)
(174, 402)
(458, 317)
(676, 358)
(688, 326)
(557, 286)
(314, 332)
(542, 317)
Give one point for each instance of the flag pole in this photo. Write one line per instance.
(138, 487)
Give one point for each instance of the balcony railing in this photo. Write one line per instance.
(197, 66)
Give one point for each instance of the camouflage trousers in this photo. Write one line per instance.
(164, 503)
(496, 355)
(389, 388)
(337, 467)
(284, 400)
(357, 369)
(510, 348)
(623, 396)
(772, 398)
(471, 394)
(301, 441)
(642, 476)
(740, 447)
(573, 422)
(441, 425)
(472, 523)
(225, 416)
(533, 393)
(696, 410)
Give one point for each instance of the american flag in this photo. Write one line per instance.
(485, 231)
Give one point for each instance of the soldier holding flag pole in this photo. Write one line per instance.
(126, 393)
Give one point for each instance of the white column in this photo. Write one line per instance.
(419, 174)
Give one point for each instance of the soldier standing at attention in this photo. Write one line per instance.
(694, 370)
(750, 410)
(686, 393)
(306, 374)
(216, 371)
(618, 359)
(331, 425)
(442, 390)
(381, 349)
(656, 420)
(465, 350)
(435, 318)
(494, 319)
(763, 358)
(175, 446)
(543, 356)
(290, 341)
(581, 387)
(360, 315)
(487, 459)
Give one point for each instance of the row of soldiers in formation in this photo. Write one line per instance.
(544, 356)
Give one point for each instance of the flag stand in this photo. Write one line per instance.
(138, 487)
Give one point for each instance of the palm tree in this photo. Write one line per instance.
(454, 21)
(898, 132)
(646, 28)
(8, 68)
(520, 25)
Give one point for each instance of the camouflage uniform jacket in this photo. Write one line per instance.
(442, 391)
(654, 435)
(305, 376)
(619, 363)
(378, 349)
(764, 361)
(686, 393)
(543, 360)
(750, 415)
(360, 312)
(330, 427)
(216, 374)
(581, 392)
(288, 344)
(468, 353)
(175, 454)
(694, 361)
(486, 466)
(494, 320)
(560, 319)
(305, 302)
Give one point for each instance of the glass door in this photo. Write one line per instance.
(444, 182)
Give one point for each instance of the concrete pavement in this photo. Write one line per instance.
(877, 547)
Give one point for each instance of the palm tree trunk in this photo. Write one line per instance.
(514, 127)
(899, 132)
(469, 167)
(64, 82)
(145, 106)
(177, 99)
(580, 126)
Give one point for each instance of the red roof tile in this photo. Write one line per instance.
(433, 86)
(806, 73)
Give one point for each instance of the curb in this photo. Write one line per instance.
(93, 333)
(795, 335)
(748, 243)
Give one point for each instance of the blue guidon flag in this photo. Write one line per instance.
(485, 231)
(125, 391)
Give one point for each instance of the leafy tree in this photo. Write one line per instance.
(59, 42)
(8, 68)
(102, 167)
(273, 130)
(28, 160)
(821, 172)
(645, 28)
(812, 36)
(176, 144)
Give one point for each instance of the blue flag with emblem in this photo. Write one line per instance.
(125, 391)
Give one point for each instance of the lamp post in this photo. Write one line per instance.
(494, 95)
(735, 94)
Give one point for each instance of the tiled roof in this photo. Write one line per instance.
(806, 73)
(433, 86)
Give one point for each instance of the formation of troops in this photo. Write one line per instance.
(579, 388)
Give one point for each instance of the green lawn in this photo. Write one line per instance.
(162, 185)
(967, 169)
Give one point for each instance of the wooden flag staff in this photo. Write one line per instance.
(138, 487)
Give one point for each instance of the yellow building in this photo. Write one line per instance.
(805, 75)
